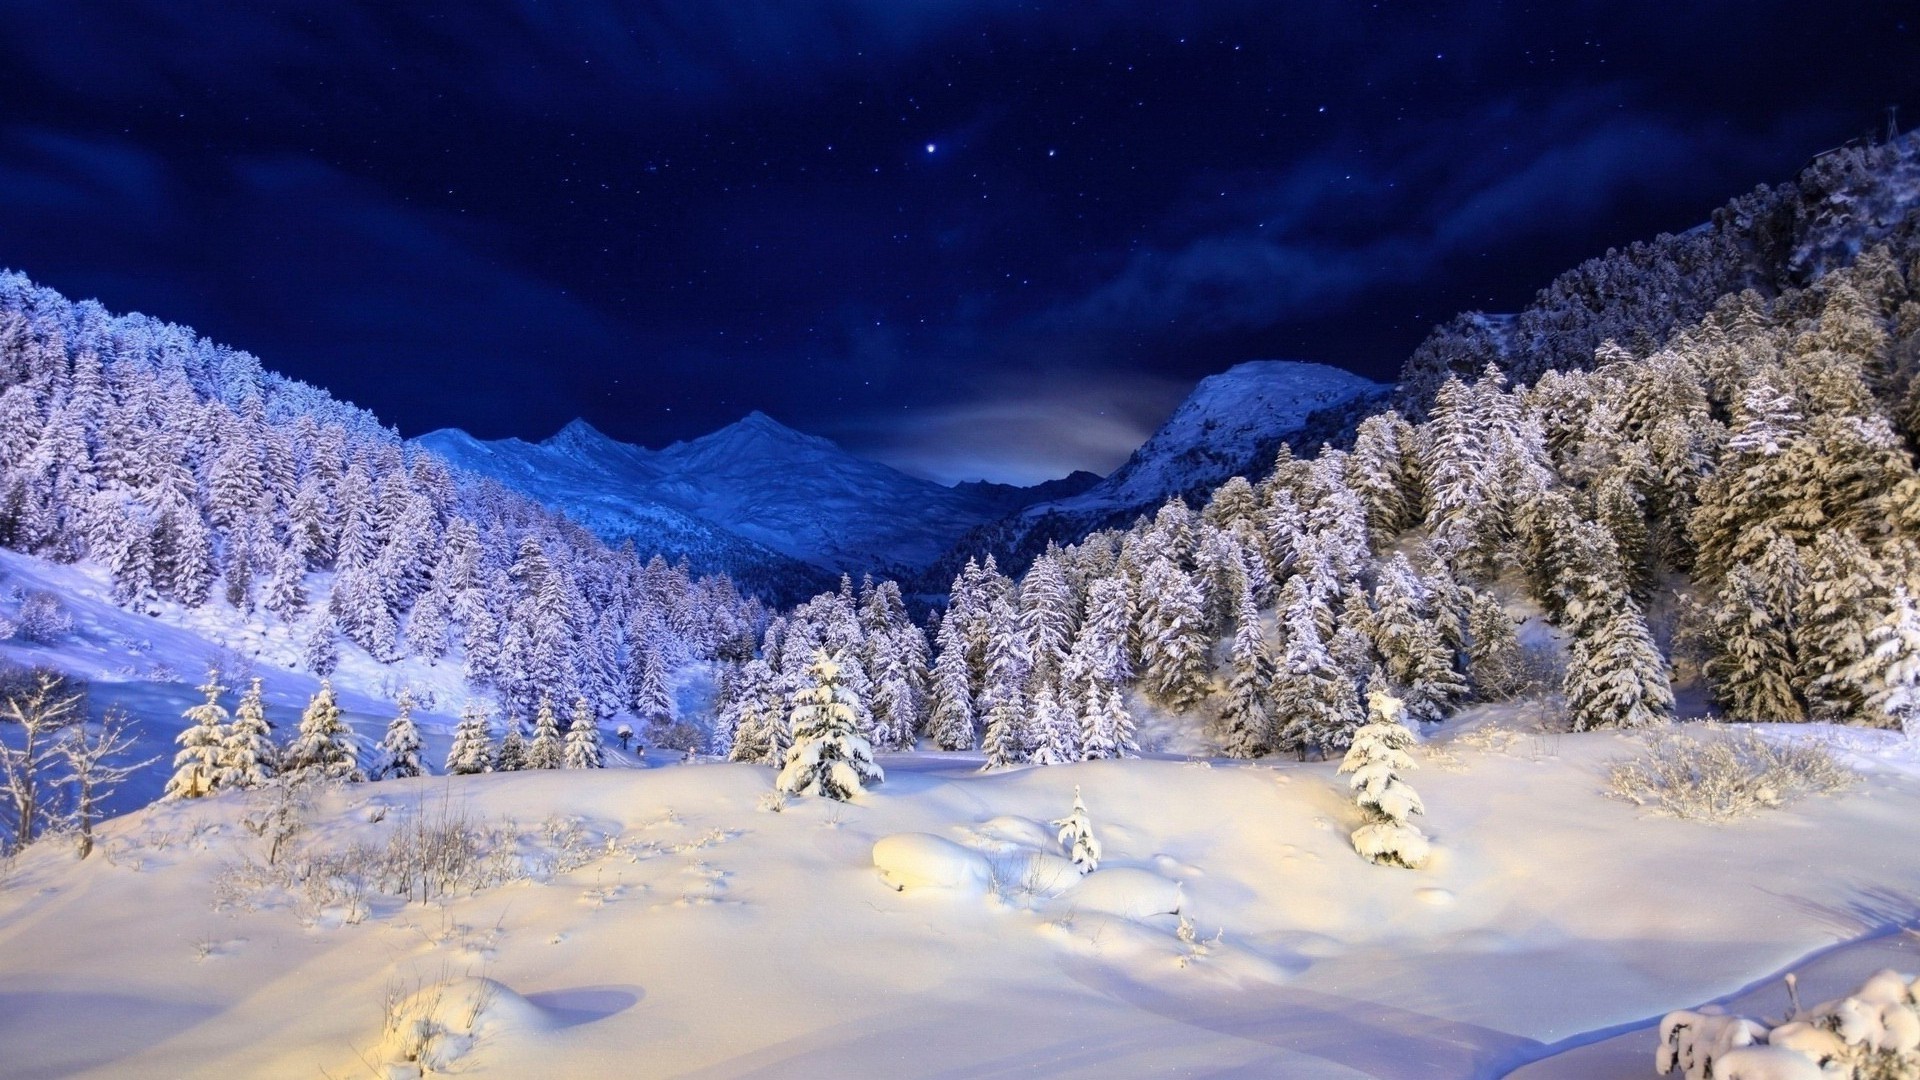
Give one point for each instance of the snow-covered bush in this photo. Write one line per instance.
(1723, 775)
(1376, 758)
(43, 619)
(1871, 1034)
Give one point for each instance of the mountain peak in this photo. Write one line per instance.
(579, 433)
(757, 426)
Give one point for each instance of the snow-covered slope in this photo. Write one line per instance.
(600, 482)
(660, 923)
(755, 490)
(1232, 424)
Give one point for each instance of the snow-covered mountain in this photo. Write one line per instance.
(1232, 424)
(755, 492)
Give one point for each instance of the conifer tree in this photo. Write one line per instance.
(760, 733)
(1047, 615)
(1376, 758)
(1076, 835)
(1173, 651)
(583, 739)
(1116, 720)
(547, 750)
(1453, 467)
(1321, 706)
(651, 700)
(472, 749)
(829, 758)
(1053, 730)
(196, 768)
(512, 754)
(1376, 471)
(286, 594)
(1616, 676)
(247, 755)
(320, 646)
(1843, 598)
(1752, 669)
(1099, 733)
(1494, 663)
(1891, 668)
(323, 749)
(1099, 650)
(400, 746)
(1246, 723)
(1008, 737)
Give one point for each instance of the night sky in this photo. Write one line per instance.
(970, 237)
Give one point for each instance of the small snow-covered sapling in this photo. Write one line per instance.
(1376, 758)
(1076, 835)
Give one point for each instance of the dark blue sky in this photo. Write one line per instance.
(971, 237)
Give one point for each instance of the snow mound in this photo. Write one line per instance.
(440, 1024)
(924, 861)
(1127, 892)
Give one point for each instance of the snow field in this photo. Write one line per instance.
(678, 929)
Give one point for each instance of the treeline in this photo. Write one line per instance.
(1751, 484)
(197, 478)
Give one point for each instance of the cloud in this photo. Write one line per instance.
(1338, 223)
(1021, 429)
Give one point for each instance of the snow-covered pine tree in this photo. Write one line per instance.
(1118, 725)
(1321, 707)
(196, 768)
(320, 645)
(1099, 650)
(1053, 730)
(247, 756)
(286, 594)
(760, 729)
(400, 746)
(1494, 662)
(472, 749)
(1046, 615)
(950, 721)
(1843, 599)
(1454, 468)
(1096, 734)
(1415, 653)
(1009, 736)
(583, 738)
(651, 700)
(1076, 835)
(1246, 723)
(547, 750)
(1377, 472)
(1616, 676)
(1376, 758)
(429, 625)
(829, 757)
(1891, 667)
(1173, 636)
(512, 754)
(1752, 669)
(323, 749)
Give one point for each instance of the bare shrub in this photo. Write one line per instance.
(1721, 775)
(444, 851)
